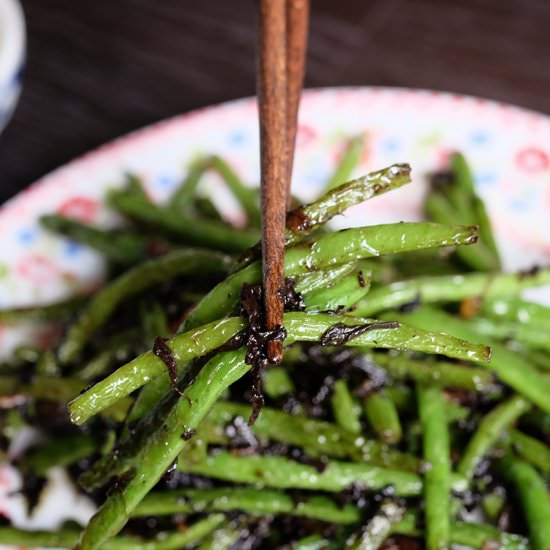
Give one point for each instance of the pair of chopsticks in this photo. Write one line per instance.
(282, 49)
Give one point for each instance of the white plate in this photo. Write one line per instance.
(508, 147)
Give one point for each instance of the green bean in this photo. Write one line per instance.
(108, 443)
(448, 288)
(117, 245)
(47, 312)
(493, 503)
(539, 358)
(489, 431)
(59, 452)
(316, 280)
(27, 354)
(474, 535)
(464, 205)
(509, 366)
(537, 421)
(344, 408)
(436, 445)
(47, 364)
(438, 207)
(133, 375)
(299, 326)
(348, 162)
(281, 473)
(477, 535)
(196, 531)
(206, 208)
(294, 356)
(330, 250)
(252, 501)
(530, 449)
(55, 389)
(192, 231)
(178, 417)
(311, 542)
(382, 417)
(455, 412)
(183, 196)
(116, 350)
(534, 499)
(342, 295)
(461, 191)
(402, 396)
(514, 308)
(533, 336)
(277, 382)
(485, 230)
(413, 439)
(161, 438)
(479, 258)
(69, 537)
(50, 388)
(464, 188)
(62, 538)
(464, 179)
(134, 281)
(384, 269)
(316, 437)
(154, 321)
(12, 422)
(150, 393)
(430, 262)
(134, 186)
(408, 525)
(438, 373)
(246, 196)
(304, 219)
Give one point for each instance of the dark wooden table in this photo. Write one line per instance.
(97, 69)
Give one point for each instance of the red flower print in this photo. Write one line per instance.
(532, 160)
(79, 208)
(36, 268)
(305, 135)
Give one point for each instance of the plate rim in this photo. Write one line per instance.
(127, 139)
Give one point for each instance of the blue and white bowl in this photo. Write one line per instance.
(12, 56)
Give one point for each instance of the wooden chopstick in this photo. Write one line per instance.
(272, 90)
(297, 20)
(283, 36)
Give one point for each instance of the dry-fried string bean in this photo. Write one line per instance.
(253, 501)
(510, 367)
(297, 448)
(437, 482)
(138, 279)
(299, 326)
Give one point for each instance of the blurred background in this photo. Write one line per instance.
(99, 69)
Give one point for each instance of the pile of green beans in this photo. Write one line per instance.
(414, 383)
